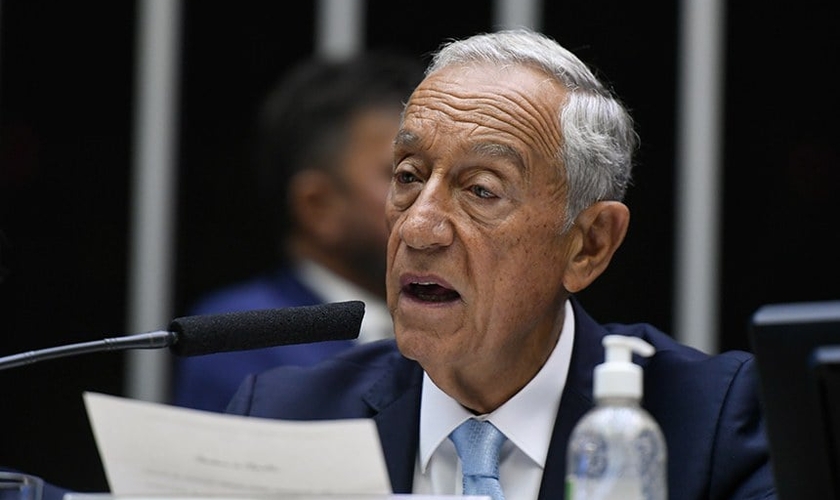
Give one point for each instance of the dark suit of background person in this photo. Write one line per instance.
(323, 157)
(492, 232)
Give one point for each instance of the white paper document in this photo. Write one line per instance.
(152, 449)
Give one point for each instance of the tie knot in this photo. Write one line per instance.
(478, 443)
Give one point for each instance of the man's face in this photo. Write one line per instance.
(367, 164)
(476, 251)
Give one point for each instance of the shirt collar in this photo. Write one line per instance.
(376, 322)
(527, 419)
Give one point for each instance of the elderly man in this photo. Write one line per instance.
(509, 169)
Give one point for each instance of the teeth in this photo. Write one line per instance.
(425, 283)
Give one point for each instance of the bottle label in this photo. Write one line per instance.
(578, 488)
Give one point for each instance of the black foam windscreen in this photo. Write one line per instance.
(240, 331)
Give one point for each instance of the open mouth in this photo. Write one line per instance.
(430, 292)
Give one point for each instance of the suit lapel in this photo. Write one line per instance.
(575, 402)
(396, 400)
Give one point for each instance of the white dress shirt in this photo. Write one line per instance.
(527, 419)
(376, 323)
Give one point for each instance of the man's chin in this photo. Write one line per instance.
(413, 344)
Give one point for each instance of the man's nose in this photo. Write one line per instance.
(427, 223)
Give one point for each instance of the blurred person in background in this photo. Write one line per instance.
(324, 156)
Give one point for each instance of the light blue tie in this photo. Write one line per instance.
(478, 444)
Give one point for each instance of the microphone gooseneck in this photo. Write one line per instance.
(150, 340)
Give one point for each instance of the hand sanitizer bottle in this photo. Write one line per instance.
(617, 450)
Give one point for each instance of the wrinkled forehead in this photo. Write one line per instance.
(514, 82)
(517, 105)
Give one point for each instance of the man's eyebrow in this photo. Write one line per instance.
(405, 138)
(409, 139)
(496, 150)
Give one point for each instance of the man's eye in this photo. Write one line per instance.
(481, 192)
(404, 177)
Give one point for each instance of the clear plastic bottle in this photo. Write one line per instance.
(617, 450)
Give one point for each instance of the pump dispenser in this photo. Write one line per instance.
(618, 376)
(617, 450)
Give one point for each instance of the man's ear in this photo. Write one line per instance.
(314, 202)
(599, 229)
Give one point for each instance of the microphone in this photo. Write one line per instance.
(225, 332)
(242, 331)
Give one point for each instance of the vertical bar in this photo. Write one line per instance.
(340, 28)
(699, 173)
(1, 50)
(153, 191)
(517, 14)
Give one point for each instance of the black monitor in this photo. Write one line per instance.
(797, 348)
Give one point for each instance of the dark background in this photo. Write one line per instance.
(66, 90)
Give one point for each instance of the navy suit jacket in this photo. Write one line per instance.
(208, 382)
(708, 408)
